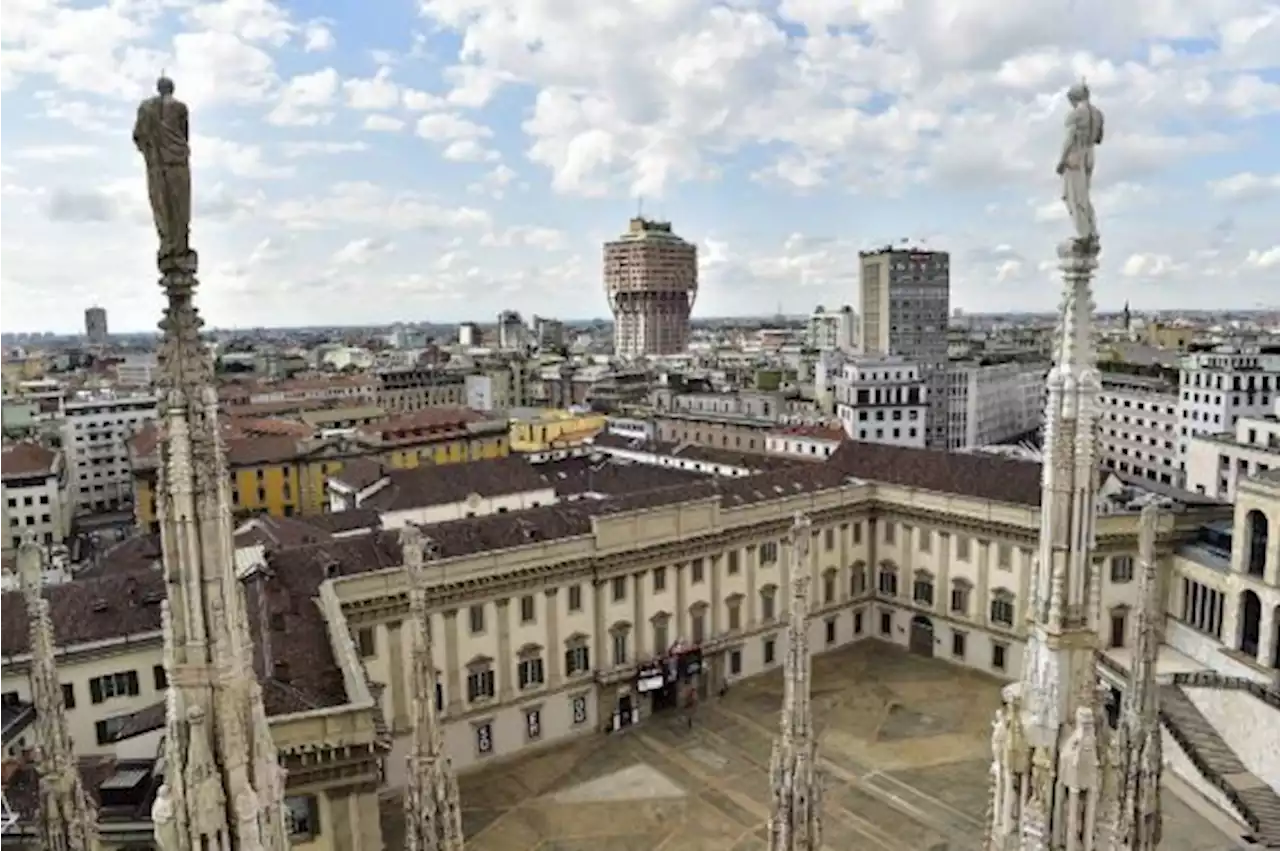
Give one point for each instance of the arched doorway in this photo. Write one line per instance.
(1250, 623)
(1256, 528)
(920, 641)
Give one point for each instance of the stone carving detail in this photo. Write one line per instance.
(433, 817)
(217, 744)
(1060, 779)
(68, 817)
(795, 819)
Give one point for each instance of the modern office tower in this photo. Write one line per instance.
(95, 326)
(906, 306)
(651, 277)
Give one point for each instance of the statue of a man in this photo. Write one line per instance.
(1075, 165)
(160, 133)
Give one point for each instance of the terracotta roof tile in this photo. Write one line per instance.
(982, 476)
(601, 475)
(360, 473)
(446, 484)
(25, 460)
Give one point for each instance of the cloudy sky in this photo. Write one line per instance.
(384, 160)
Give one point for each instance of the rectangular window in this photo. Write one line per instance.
(575, 598)
(958, 644)
(695, 571)
(577, 660)
(735, 663)
(659, 580)
(769, 552)
(476, 615)
(533, 724)
(829, 539)
(480, 684)
(123, 684)
(366, 642)
(831, 631)
(770, 645)
(161, 677)
(998, 656)
(69, 695)
(528, 612)
(886, 623)
(962, 548)
(619, 589)
(1121, 569)
(484, 739)
(857, 533)
(578, 705)
(857, 623)
(530, 672)
(733, 563)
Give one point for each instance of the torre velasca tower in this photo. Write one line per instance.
(651, 277)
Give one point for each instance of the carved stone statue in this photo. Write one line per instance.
(162, 818)
(160, 133)
(1075, 166)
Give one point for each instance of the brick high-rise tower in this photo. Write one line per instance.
(651, 277)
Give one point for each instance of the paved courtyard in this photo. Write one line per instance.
(904, 741)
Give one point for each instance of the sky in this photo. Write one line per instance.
(379, 161)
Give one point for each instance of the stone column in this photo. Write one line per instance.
(907, 547)
(554, 650)
(844, 575)
(750, 563)
(506, 659)
(453, 664)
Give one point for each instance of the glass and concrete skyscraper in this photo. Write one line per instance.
(906, 306)
(651, 277)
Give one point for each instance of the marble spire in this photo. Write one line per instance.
(433, 817)
(1052, 786)
(68, 817)
(223, 786)
(1139, 756)
(795, 820)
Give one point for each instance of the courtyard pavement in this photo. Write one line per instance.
(904, 741)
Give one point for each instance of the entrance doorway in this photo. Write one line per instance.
(626, 712)
(920, 640)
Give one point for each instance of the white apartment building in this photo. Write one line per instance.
(1217, 462)
(1217, 388)
(35, 499)
(137, 370)
(882, 399)
(833, 331)
(96, 433)
(993, 403)
(811, 442)
(1138, 428)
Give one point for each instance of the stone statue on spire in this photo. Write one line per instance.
(161, 135)
(223, 786)
(1075, 167)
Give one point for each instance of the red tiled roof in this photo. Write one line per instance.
(992, 477)
(427, 419)
(360, 473)
(25, 460)
(811, 431)
(446, 484)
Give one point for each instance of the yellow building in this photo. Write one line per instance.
(541, 430)
(284, 475)
(1174, 337)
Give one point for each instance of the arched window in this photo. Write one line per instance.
(922, 588)
(1002, 607)
(1256, 531)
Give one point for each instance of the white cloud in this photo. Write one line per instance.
(304, 99)
(1246, 186)
(363, 203)
(374, 93)
(1268, 259)
(317, 37)
(305, 149)
(379, 123)
(251, 20)
(468, 151)
(1150, 266)
(360, 252)
(239, 159)
(448, 127)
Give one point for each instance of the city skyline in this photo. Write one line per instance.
(353, 176)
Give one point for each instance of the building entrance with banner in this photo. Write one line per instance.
(672, 680)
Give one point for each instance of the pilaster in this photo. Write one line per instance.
(715, 565)
(506, 658)
(681, 618)
(640, 633)
(340, 822)
(942, 591)
(453, 662)
(397, 676)
(751, 564)
(555, 652)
